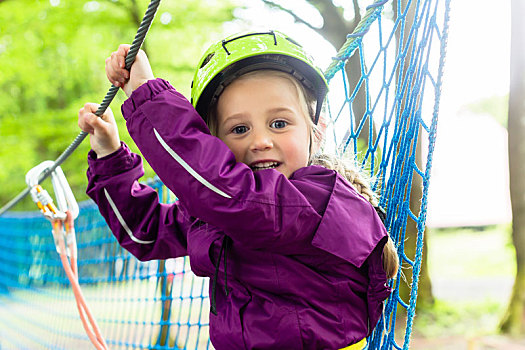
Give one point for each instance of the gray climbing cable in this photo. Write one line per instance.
(130, 58)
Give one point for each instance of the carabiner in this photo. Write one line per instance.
(64, 196)
(61, 216)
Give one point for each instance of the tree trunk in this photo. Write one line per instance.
(514, 319)
(353, 73)
(425, 296)
(337, 37)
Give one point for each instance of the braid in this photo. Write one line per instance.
(349, 172)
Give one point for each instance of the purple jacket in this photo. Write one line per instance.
(303, 259)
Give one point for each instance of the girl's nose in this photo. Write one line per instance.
(261, 141)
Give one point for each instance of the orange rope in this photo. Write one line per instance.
(62, 222)
(71, 269)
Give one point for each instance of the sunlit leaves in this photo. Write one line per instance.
(52, 56)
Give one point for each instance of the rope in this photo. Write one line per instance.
(353, 40)
(432, 140)
(130, 58)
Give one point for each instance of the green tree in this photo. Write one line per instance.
(52, 61)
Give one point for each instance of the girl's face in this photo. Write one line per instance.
(260, 118)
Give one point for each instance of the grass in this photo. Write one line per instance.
(472, 270)
(472, 252)
(465, 319)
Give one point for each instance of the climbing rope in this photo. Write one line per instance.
(62, 217)
(130, 58)
(352, 40)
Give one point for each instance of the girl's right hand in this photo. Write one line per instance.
(119, 76)
(103, 131)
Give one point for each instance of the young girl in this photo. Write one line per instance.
(296, 255)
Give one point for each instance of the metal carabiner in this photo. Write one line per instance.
(64, 196)
(61, 216)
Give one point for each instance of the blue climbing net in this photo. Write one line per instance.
(382, 115)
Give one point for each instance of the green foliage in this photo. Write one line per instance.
(468, 319)
(496, 106)
(459, 258)
(493, 255)
(52, 61)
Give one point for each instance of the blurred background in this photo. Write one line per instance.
(52, 56)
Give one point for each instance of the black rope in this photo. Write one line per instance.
(130, 58)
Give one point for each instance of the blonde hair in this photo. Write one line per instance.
(342, 166)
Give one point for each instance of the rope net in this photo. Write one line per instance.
(384, 119)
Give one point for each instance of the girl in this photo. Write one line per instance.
(296, 255)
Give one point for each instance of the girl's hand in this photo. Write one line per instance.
(119, 76)
(103, 132)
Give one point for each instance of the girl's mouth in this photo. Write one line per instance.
(264, 165)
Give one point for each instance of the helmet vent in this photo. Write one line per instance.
(293, 41)
(207, 59)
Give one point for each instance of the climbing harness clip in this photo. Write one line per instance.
(61, 215)
(64, 196)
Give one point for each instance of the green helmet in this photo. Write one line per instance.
(242, 53)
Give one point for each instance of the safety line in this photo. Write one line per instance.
(130, 58)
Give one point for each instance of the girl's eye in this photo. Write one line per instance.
(279, 124)
(241, 129)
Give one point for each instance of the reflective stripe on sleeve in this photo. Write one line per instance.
(122, 222)
(187, 167)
